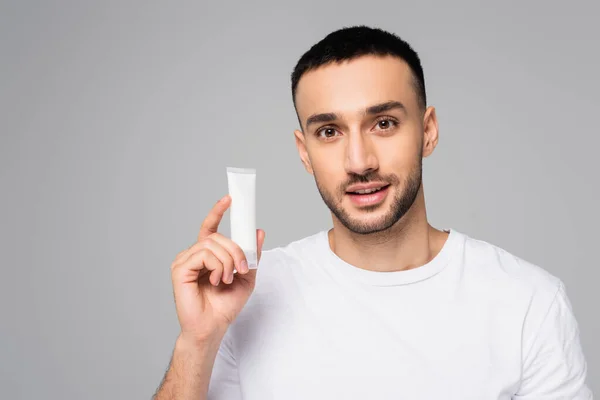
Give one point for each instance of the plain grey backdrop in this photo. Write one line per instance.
(118, 120)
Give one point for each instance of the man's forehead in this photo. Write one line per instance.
(354, 85)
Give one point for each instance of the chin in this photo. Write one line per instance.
(366, 229)
(366, 224)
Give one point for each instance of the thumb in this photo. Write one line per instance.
(260, 240)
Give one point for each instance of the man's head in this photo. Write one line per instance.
(360, 99)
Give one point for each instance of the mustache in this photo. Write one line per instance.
(370, 177)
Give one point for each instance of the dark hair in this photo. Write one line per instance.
(352, 42)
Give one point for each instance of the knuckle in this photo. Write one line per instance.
(210, 261)
(215, 236)
(204, 243)
(204, 253)
(192, 260)
(207, 241)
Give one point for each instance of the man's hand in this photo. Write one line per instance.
(207, 296)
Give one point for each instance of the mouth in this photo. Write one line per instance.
(368, 191)
(368, 196)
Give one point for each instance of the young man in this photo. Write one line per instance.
(382, 306)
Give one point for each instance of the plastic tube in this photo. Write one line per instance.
(242, 189)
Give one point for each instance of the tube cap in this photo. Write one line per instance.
(252, 259)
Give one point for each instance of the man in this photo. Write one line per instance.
(382, 306)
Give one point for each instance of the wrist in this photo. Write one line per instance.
(190, 341)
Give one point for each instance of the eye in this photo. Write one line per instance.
(326, 132)
(386, 123)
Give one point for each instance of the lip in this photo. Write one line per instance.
(365, 186)
(369, 200)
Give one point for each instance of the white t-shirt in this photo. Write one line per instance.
(474, 323)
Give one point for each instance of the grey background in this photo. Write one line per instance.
(118, 120)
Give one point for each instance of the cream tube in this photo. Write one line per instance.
(242, 189)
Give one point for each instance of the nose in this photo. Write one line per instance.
(360, 155)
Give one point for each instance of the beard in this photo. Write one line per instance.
(404, 197)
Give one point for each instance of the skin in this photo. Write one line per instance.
(358, 147)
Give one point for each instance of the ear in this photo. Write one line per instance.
(301, 145)
(430, 131)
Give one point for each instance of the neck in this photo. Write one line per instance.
(410, 243)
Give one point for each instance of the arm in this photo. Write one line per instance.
(554, 366)
(190, 370)
(205, 309)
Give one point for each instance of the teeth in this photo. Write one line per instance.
(367, 191)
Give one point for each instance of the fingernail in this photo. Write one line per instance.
(244, 267)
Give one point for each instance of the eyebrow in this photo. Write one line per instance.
(375, 109)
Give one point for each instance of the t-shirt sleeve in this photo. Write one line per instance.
(554, 366)
(225, 382)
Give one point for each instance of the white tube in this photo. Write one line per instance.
(242, 189)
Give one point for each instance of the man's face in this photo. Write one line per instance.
(363, 131)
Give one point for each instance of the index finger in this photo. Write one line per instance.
(211, 223)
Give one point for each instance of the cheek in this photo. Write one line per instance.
(326, 161)
(328, 170)
(398, 156)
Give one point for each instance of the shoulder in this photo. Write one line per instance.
(499, 267)
(512, 284)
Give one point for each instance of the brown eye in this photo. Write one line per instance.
(329, 132)
(326, 133)
(385, 124)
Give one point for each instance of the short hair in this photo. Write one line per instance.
(352, 42)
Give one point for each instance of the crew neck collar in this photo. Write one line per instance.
(453, 245)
